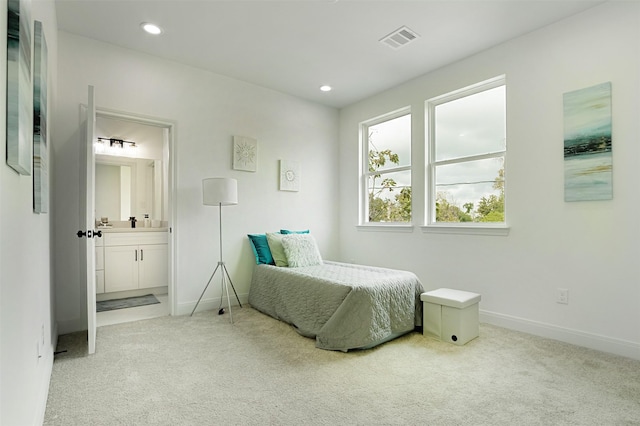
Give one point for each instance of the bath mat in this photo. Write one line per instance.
(127, 302)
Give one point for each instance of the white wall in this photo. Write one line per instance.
(26, 304)
(208, 110)
(591, 248)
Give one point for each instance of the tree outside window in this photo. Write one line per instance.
(467, 152)
(387, 179)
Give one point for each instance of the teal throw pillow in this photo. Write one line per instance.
(261, 250)
(288, 231)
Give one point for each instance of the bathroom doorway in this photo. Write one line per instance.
(134, 181)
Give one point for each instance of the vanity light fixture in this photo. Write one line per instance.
(151, 28)
(117, 143)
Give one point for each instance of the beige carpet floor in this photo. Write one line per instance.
(202, 370)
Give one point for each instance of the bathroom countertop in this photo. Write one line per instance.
(111, 229)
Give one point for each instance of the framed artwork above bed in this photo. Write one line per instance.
(245, 153)
(289, 175)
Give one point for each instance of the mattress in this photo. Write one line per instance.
(342, 306)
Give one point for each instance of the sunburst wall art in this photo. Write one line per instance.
(245, 153)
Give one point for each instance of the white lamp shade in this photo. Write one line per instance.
(219, 191)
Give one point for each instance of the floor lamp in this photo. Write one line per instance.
(220, 192)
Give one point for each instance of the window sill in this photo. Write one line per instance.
(496, 230)
(385, 227)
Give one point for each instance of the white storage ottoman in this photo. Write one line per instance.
(450, 315)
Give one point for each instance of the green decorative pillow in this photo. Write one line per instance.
(301, 250)
(274, 239)
(261, 249)
(287, 231)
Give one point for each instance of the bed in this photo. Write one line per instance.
(343, 306)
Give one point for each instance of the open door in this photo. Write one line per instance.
(89, 222)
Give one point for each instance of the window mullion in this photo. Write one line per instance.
(496, 154)
(382, 172)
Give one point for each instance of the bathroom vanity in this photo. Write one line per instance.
(131, 259)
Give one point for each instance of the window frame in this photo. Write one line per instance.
(363, 213)
(430, 224)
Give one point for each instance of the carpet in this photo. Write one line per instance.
(127, 302)
(203, 370)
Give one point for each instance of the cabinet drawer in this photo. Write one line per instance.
(134, 238)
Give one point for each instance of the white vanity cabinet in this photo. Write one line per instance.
(135, 260)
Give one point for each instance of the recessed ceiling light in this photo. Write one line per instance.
(325, 88)
(151, 28)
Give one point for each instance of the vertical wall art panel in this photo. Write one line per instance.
(588, 168)
(245, 153)
(19, 91)
(289, 175)
(40, 166)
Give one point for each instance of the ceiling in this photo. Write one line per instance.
(295, 46)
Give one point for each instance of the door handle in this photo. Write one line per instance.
(141, 255)
(89, 234)
(136, 255)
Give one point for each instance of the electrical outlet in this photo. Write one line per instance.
(563, 296)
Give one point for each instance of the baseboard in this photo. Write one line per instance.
(588, 340)
(211, 304)
(43, 390)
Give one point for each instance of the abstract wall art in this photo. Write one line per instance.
(588, 168)
(19, 90)
(40, 163)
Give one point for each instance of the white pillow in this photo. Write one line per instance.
(301, 250)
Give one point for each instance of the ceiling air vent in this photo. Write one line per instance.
(400, 37)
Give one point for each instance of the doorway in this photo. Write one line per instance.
(134, 178)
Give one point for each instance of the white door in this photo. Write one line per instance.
(90, 222)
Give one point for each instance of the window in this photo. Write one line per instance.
(466, 156)
(386, 169)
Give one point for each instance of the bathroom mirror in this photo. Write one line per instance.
(131, 177)
(127, 187)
